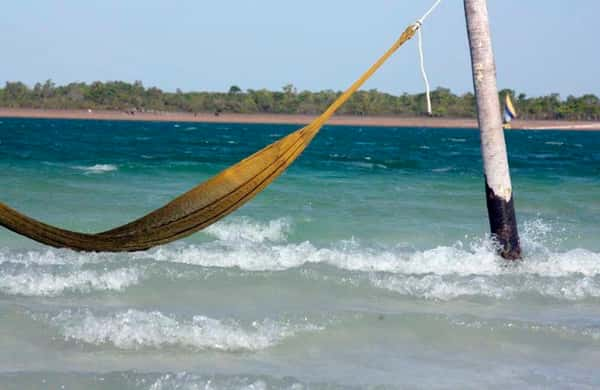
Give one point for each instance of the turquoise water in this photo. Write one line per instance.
(365, 264)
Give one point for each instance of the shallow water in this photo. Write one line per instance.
(365, 264)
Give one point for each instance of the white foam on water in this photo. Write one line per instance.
(249, 247)
(98, 168)
(435, 287)
(360, 164)
(134, 329)
(444, 272)
(246, 229)
(187, 381)
(557, 329)
(54, 257)
(245, 255)
(438, 287)
(31, 282)
(468, 269)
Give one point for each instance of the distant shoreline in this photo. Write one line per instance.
(380, 121)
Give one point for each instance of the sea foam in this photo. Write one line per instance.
(246, 229)
(249, 250)
(98, 168)
(188, 381)
(134, 329)
(447, 288)
(444, 272)
(462, 270)
(55, 257)
(32, 282)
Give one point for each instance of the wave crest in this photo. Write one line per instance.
(188, 381)
(446, 288)
(98, 168)
(134, 329)
(479, 258)
(444, 272)
(32, 282)
(246, 229)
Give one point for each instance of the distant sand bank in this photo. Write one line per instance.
(385, 121)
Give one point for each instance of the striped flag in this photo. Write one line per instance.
(509, 111)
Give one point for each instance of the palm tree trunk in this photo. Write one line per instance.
(498, 188)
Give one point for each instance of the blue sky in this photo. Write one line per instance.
(541, 46)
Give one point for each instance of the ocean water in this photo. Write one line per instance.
(367, 264)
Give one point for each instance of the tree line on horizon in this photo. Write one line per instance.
(134, 97)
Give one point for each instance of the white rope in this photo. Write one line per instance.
(417, 27)
(423, 72)
(433, 7)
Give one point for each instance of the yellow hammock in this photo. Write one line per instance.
(204, 204)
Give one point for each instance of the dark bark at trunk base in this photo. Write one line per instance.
(503, 224)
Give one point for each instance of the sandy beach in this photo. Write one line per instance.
(382, 121)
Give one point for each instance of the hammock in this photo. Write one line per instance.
(202, 205)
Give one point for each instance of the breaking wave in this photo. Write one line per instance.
(443, 273)
(34, 282)
(462, 270)
(50, 257)
(98, 168)
(134, 329)
(446, 288)
(188, 381)
(246, 229)
(254, 246)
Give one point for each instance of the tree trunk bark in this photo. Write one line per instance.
(498, 188)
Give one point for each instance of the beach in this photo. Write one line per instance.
(344, 120)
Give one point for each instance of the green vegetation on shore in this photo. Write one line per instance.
(119, 95)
